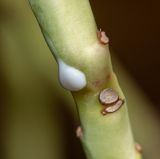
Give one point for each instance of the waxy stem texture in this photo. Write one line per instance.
(72, 36)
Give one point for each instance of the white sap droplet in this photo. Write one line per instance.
(70, 77)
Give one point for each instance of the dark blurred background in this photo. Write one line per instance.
(37, 117)
(133, 29)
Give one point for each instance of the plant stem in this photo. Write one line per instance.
(71, 33)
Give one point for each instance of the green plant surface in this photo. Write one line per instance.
(70, 31)
(19, 32)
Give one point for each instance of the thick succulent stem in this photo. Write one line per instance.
(85, 68)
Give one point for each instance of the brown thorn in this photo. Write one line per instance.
(114, 107)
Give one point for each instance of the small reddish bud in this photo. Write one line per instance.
(79, 132)
(103, 39)
(138, 148)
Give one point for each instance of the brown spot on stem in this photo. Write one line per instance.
(108, 96)
(103, 39)
(108, 77)
(79, 132)
(138, 148)
(97, 83)
(100, 82)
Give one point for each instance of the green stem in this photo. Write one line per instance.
(71, 33)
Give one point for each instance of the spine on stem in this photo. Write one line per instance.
(85, 68)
